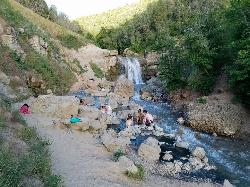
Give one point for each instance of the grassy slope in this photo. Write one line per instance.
(54, 29)
(55, 71)
(24, 154)
(112, 18)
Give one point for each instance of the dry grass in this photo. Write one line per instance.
(54, 29)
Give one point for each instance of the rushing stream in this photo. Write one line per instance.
(231, 157)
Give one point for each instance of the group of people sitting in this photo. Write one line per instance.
(143, 117)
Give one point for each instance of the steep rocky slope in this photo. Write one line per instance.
(34, 57)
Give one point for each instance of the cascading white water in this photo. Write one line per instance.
(132, 69)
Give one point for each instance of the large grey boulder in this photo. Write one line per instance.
(124, 87)
(199, 152)
(113, 143)
(39, 45)
(150, 150)
(127, 165)
(227, 183)
(89, 112)
(182, 144)
(55, 106)
(218, 115)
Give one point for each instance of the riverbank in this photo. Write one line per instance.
(83, 161)
(79, 155)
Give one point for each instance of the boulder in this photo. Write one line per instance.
(196, 163)
(199, 152)
(113, 143)
(177, 166)
(39, 45)
(7, 91)
(127, 52)
(127, 164)
(55, 106)
(146, 95)
(76, 127)
(167, 157)
(227, 183)
(187, 166)
(182, 144)
(4, 78)
(12, 43)
(181, 121)
(84, 124)
(89, 112)
(97, 125)
(218, 115)
(153, 87)
(150, 150)
(124, 87)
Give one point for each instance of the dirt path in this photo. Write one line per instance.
(82, 161)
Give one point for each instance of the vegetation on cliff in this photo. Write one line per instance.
(113, 18)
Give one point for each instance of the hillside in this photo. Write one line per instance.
(199, 39)
(113, 18)
(34, 47)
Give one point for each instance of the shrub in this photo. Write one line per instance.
(117, 155)
(70, 41)
(139, 175)
(98, 72)
(80, 69)
(202, 100)
(16, 117)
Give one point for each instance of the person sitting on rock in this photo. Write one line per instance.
(139, 117)
(103, 109)
(108, 110)
(148, 118)
(25, 109)
(74, 119)
(82, 102)
(129, 121)
(154, 99)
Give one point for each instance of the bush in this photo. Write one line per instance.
(139, 175)
(117, 155)
(98, 72)
(16, 117)
(80, 69)
(70, 41)
(202, 100)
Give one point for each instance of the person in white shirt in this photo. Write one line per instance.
(129, 121)
(148, 118)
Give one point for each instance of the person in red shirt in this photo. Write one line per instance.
(25, 109)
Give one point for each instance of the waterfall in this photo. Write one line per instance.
(132, 69)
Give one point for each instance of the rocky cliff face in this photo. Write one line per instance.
(217, 115)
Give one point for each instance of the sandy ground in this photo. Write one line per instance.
(82, 161)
